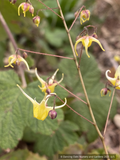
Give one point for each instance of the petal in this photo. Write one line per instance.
(40, 79)
(11, 60)
(57, 107)
(33, 101)
(19, 9)
(23, 60)
(97, 41)
(86, 43)
(117, 73)
(79, 40)
(52, 87)
(40, 111)
(112, 80)
(53, 77)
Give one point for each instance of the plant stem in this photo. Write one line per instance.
(45, 54)
(75, 111)
(21, 71)
(76, 18)
(71, 93)
(109, 112)
(81, 79)
(50, 9)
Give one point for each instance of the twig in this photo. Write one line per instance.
(81, 79)
(75, 111)
(109, 112)
(45, 54)
(72, 93)
(76, 18)
(50, 9)
(21, 71)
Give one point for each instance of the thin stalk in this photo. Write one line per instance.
(50, 9)
(81, 79)
(5, 26)
(52, 55)
(75, 111)
(71, 93)
(109, 112)
(76, 18)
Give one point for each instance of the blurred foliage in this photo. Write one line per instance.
(16, 112)
(22, 155)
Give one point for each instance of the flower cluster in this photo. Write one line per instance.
(41, 110)
(25, 6)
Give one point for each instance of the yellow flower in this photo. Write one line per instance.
(25, 7)
(87, 41)
(84, 16)
(16, 59)
(50, 86)
(116, 80)
(41, 110)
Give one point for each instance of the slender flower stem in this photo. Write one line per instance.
(76, 18)
(81, 79)
(45, 54)
(75, 111)
(50, 9)
(21, 71)
(109, 112)
(72, 93)
(44, 9)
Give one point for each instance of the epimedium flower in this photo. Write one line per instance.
(41, 110)
(50, 86)
(84, 16)
(25, 6)
(36, 20)
(116, 80)
(104, 91)
(87, 41)
(16, 59)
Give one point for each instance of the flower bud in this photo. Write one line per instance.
(84, 16)
(31, 10)
(75, 14)
(48, 91)
(104, 91)
(95, 35)
(52, 114)
(24, 55)
(13, 1)
(36, 20)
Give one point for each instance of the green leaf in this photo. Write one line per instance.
(22, 155)
(89, 69)
(16, 111)
(100, 105)
(60, 138)
(55, 37)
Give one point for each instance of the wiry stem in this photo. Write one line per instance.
(21, 71)
(81, 79)
(109, 112)
(50, 9)
(52, 55)
(75, 111)
(76, 18)
(72, 93)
